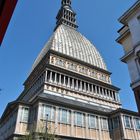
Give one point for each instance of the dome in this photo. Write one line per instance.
(70, 42)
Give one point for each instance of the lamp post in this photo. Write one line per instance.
(46, 127)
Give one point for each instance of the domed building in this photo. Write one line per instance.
(69, 92)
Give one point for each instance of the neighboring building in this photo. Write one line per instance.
(130, 40)
(70, 83)
(6, 10)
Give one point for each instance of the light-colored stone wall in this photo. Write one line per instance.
(133, 69)
(127, 43)
(131, 44)
(134, 26)
(132, 132)
(85, 98)
(21, 127)
(71, 129)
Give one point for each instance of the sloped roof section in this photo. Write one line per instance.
(70, 42)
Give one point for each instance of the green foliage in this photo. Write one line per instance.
(40, 134)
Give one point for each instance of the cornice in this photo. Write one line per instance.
(125, 111)
(129, 12)
(123, 35)
(124, 58)
(130, 53)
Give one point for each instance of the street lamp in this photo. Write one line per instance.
(46, 127)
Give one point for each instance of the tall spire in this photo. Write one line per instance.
(66, 15)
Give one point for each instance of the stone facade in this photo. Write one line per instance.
(129, 38)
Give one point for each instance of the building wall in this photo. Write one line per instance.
(43, 74)
(131, 131)
(7, 127)
(127, 43)
(88, 125)
(131, 45)
(134, 24)
(22, 120)
(133, 67)
(71, 129)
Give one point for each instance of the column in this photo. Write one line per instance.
(100, 129)
(55, 78)
(88, 88)
(50, 77)
(96, 90)
(68, 82)
(99, 91)
(106, 93)
(116, 96)
(86, 123)
(84, 86)
(60, 79)
(134, 126)
(72, 83)
(46, 75)
(64, 81)
(77, 85)
(102, 92)
(123, 127)
(72, 122)
(56, 119)
(92, 89)
(60, 113)
(109, 94)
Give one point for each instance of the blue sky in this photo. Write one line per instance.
(31, 26)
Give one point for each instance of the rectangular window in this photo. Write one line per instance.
(115, 122)
(47, 112)
(127, 122)
(92, 121)
(79, 119)
(137, 123)
(64, 116)
(24, 114)
(104, 123)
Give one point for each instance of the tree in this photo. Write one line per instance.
(41, 134)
